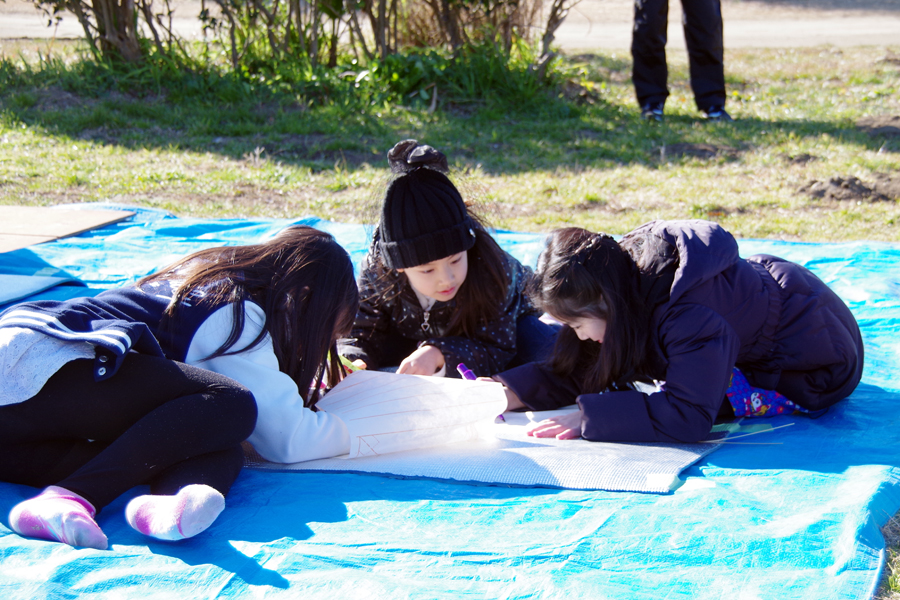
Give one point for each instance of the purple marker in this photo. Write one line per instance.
(466, 372)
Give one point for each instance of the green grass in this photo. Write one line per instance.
(238, 149)
(889, 588)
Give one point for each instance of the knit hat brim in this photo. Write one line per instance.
(429, 247)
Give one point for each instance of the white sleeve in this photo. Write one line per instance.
(286, 431)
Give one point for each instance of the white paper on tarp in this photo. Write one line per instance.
(387, 412)
(512, 457)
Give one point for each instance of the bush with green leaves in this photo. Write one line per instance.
(258, 34)
(482, 76)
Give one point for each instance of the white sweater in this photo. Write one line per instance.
(286, 431)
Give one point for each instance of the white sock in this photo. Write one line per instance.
(58, 515)
(187, 513)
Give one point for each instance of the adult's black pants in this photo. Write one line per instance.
(703, 37)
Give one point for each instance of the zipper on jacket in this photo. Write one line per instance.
(425, 324)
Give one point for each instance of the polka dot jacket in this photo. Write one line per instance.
(387, 329)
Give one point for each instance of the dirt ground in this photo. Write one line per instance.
(607, 23)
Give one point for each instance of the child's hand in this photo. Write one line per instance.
(360, 364)
(565, 427)
(426, 360)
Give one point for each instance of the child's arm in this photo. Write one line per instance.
(699, 357)
(512, 399)
(565, 427)
(286, 431)
(700, 349)
(536, 387)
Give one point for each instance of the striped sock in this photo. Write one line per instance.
(187, 513)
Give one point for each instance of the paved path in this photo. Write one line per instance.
(594, 24)
(581, 33)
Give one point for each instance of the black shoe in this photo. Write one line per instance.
(652, 111)
(717, 114)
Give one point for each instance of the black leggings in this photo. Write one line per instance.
(156, 422)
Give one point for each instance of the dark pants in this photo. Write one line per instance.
(156, 422)
(703, 37)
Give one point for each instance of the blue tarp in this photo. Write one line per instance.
(796, 515)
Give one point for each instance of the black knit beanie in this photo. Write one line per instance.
(424, 217)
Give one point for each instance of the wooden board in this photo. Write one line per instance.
(23, 226)
(10, 242)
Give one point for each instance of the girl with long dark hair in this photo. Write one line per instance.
(159, 383)
(669, 329)
(436, 289)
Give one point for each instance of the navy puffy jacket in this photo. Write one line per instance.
(773, 319)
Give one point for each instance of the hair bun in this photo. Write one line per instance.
(408, 156)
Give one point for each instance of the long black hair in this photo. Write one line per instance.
(583, 274)
(303, 280)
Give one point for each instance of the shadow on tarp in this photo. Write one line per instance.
(25, 275)
(267, 514)
(863, 429)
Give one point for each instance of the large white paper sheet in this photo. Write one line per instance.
(387, 412)
(509, 456)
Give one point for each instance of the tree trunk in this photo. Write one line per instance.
(116, 26)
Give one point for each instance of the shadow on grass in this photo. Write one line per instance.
(583, 132)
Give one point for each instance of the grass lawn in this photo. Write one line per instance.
(813, 154)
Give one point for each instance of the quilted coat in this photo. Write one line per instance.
(388, 329)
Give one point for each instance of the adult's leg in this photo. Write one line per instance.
(153, 415)
(703, 37)
(648, 51)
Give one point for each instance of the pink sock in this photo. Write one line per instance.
(58, 515)
(184, 515)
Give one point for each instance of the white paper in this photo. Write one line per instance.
(509, 456)
(387, 412)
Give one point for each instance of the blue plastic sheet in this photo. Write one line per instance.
(796, 515)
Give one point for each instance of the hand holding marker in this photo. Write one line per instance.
(469, 375)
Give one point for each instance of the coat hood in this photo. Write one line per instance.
(700, 249)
